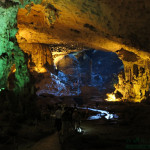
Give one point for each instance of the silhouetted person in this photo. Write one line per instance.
(76, 118)
(66, 121)
(86, 113)
(58, 122)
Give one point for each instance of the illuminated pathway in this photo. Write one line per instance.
(101, 113)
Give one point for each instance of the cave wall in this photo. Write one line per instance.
(10, 53)
(134, 82)
(89, 69)
(108, 25)
(39, 57)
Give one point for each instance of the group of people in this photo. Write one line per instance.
(67, 119)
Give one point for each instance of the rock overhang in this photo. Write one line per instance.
(108, 25)
(100, 24)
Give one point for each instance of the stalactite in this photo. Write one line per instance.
(40, 57)
(134, 82)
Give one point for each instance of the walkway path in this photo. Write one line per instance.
(49, 143)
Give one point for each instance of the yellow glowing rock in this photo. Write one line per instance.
(40, 69)
(39, 57)
(112, 97)
(106, 24)
(134, 83)
(97, 24)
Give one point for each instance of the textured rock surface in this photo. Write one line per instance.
(10, 53)
(110, 25)
(39, 57)
(88, 69)
(51, 84)
(134, 82)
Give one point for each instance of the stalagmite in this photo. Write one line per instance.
(134, 81)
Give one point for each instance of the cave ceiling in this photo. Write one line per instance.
(45, 27)
(100, 24)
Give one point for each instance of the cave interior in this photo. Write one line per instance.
(87, 53)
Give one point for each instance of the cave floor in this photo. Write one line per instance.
(98, 135)
(131, 130)
(101, 136)
(48, 143)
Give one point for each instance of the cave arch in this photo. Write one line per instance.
(58, 20)
(87, 72)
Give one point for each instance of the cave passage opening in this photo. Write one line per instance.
(87, 72)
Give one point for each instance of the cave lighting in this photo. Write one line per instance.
(2, 89)
(58, 58)
(14, 70)
(111, 97)
(40, 69)
(79, 130)
(101, 113)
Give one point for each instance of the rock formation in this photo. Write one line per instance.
(39, 57)
(121, 26)
(134, 81)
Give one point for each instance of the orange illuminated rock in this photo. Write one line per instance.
(39, 57)
(108, 25)
(101, 24)
(134, 81)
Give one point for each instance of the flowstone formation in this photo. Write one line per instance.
(39, 57)
(134, 82)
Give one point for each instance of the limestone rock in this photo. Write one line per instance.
(39, 57)
(134, 81)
